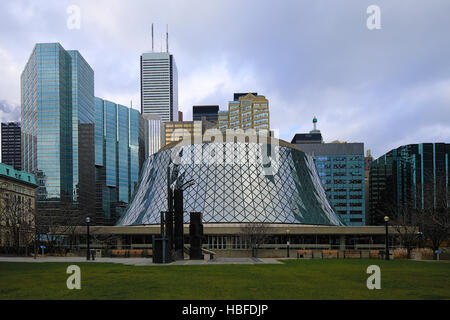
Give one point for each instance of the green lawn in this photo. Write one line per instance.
(295, 279)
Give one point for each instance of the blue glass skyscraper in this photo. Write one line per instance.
(415, 176)
(57, 98)
(119, 155)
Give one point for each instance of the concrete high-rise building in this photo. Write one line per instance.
(58, 127)
(340, 166)
(205, 112)
(11, 154)
(159, 94)
(178, 130)
(222, 120)
(236, 96)
(119, 156)
(186, 128)
(249, 111)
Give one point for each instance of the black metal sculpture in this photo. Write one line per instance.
(196, 236)
(172, 227)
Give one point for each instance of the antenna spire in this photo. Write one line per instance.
(167, 38)
(153, 49)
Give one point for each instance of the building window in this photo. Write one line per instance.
(340, 204)
(355, 204)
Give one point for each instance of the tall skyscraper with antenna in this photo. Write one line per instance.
(159, 92)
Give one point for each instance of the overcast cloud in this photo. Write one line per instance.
(384, 87)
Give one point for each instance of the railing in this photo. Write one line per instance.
(209, 252)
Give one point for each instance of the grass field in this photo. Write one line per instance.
(295, 279)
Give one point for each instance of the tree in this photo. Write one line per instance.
(254, 234)
(58, 219)
(18, 218)
(435, 215)
(400, 207)
(403, 219)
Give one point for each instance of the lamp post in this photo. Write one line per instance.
(419, 239)
(88, 252)
(386, 220)
(288, 242)
(18, 239)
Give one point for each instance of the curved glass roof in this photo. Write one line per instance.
(234, 182)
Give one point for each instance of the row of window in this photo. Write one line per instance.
(344, 204)
(341, 181)
(352, 196)
(340, 158)
(354, 212)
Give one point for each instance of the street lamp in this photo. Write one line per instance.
(88, 253)
(288, 242)
(419, 239)
(386, 220)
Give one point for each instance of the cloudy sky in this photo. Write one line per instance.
(385, 87)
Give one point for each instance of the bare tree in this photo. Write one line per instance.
(17, 216)
(403, 219)
(254, 234)
(435, 215)
(57, 220)
(401, 210)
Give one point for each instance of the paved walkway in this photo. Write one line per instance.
(143, 261)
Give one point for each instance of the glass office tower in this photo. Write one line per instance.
(119, 155)
(82, 131)
(415, 175)
(340, 166)
(57, 98)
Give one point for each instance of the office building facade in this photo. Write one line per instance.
(180, 130)
(415, 175)
(17, 196)
(119, 155)
(249, 111)
(205, 112)
(367, 163)
(57, 118)
(159, 94)
(11, 144)
(340, 167)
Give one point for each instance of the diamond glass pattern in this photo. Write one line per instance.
(231, 187)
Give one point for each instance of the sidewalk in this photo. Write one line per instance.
(142, 261)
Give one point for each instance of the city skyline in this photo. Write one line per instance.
(369, 88)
